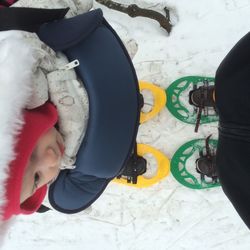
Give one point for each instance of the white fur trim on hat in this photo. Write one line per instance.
(16, 60)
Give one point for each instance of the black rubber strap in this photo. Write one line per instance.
(43, 209)
(28, 19)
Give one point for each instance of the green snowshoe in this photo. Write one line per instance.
(190, 99)
(193, 164)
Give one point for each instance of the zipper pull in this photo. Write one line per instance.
(70, 65)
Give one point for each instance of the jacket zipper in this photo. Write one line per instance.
(70, 65)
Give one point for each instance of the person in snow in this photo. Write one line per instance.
(230, 95)
(232, 92)
(44, 114)
(36, 98)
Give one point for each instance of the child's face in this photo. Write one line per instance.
(43, 166)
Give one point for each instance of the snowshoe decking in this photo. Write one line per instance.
(193, 164)
(190, 100)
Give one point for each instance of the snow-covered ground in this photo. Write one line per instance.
(166, 216)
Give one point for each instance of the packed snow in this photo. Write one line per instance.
(166, 216)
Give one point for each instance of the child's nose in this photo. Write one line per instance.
(50, 168)
(52, 158)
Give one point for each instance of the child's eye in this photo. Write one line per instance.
(36, 180)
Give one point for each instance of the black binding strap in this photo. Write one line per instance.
(28, 19)
(43, 209)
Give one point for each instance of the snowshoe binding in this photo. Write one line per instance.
(200, 153)
(132, 174)
(200, 108)
(206, 163)
(203, 99)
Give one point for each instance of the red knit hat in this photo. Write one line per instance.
(36, 122)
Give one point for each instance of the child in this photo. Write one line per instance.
(32, 150)
(36, 149)
(15, 136)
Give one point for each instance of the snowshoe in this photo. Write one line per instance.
(190, 99)
(132, 175)
(193, 164)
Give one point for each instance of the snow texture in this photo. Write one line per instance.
(166, 216)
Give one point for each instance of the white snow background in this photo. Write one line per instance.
(166, 216)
